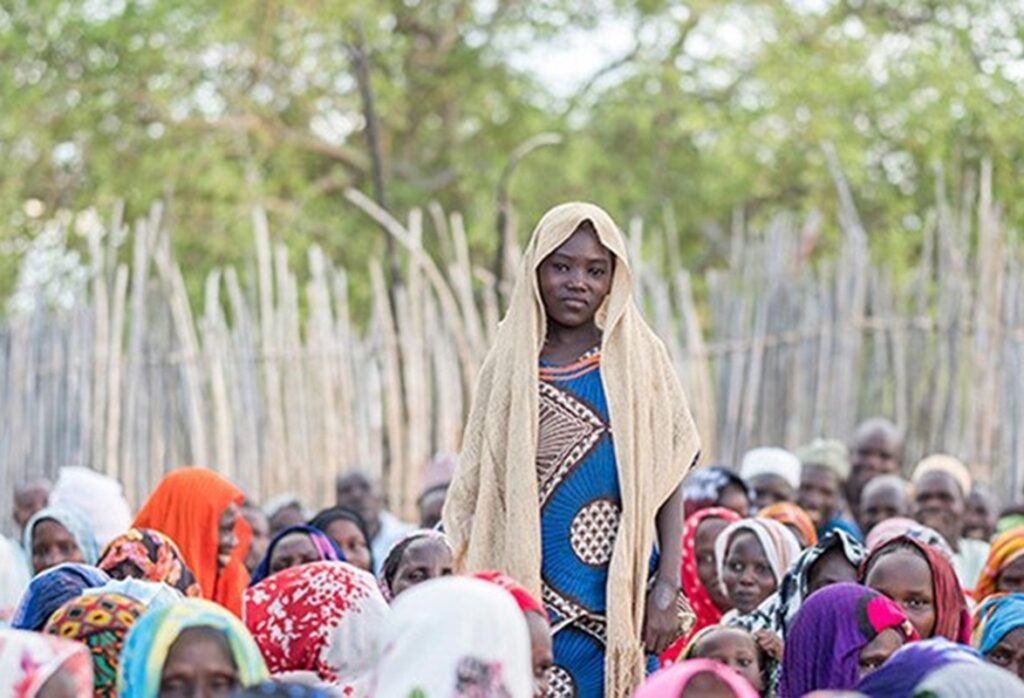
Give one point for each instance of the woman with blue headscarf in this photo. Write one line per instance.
(294, 546)
(52, 589)
(999, 631)
(59, 534)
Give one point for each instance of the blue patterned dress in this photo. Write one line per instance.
(578, 485)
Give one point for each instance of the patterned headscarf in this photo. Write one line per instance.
(76, 525)
(830, 630)
(952, 621)
(100, 622)
(995, 618)
(28, 660)
(150, 639)
(910, 665)
(143, 553)
(777, 612)
(780, 545)
(455, 636)
(703, 488)
(322, 618)
(966, 680)
(705, 610)
(671, 682)
(793, 515)
(51, 589)
(1007, 548)
(326, 548)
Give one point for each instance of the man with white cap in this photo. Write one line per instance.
(772, 473)
(941, 485)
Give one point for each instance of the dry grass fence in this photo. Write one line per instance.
(135, 380)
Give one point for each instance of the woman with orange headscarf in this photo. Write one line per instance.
(198, 510)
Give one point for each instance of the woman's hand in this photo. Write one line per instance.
(662, 622)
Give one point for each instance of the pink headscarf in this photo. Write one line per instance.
(669, 683)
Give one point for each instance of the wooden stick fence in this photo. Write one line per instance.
(135, 381)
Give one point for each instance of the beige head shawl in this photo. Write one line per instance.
(492, 514)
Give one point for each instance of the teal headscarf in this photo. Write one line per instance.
(150, 639)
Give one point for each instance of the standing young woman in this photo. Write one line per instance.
(576, 443)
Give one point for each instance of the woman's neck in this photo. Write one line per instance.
(566, 344)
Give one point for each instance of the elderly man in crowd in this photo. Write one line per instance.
(941, 485)
(877, 449)
(884, 497)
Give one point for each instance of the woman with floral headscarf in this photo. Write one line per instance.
(142, 553)
(319, 621)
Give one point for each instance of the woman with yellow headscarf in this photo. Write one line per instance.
(577, 440)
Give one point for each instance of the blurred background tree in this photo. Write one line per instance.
(693, 115)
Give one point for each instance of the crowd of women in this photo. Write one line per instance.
(565, 555)
(784, 601)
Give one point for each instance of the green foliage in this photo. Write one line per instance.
(719, 109)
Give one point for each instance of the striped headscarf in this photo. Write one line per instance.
(792, 515)
(776, 613)
(779, 543)
(100, 622)
(144, 553)
(1007, 548)
(75, 523)
(28, 660)
(150, 639)
(51, 589)
(995, 618)
(326, 548)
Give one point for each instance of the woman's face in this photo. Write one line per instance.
(1011, 579)
(52, 544)
(831, 568)
(1009, 652)
(423, 560)
(904, 576)
(747, 574)
(353, 544)
(737, 650)
(541, 652)
(575, 278)
(708, 531)
(874, 654)
(226, 538)
(291, 551)
(198, 665)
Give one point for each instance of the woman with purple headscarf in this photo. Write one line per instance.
(840, 635)
(294, 546)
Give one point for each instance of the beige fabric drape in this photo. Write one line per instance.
(492, 514)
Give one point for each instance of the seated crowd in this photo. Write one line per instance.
(816, 572)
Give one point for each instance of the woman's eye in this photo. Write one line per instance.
(763, 569)
(916, 603)
(597, 272)
(745, 662)
(736, 566)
